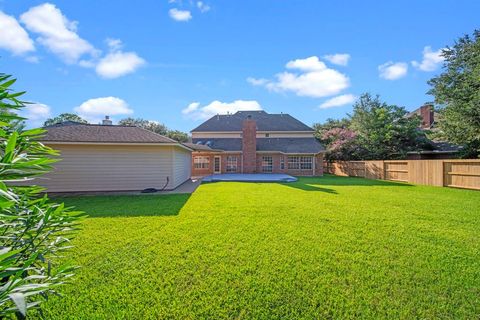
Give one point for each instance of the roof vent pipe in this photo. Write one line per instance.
(107, 121)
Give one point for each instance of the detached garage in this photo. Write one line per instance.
(114, 158)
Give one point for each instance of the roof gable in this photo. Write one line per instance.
(265, 122)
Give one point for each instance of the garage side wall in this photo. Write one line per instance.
(110, 168)
(182, 166)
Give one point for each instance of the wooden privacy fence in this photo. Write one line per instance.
(442, 173)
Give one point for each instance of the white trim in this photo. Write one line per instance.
(219, 164)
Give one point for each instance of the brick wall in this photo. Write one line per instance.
(249, 145)
(223, 161)
(426, 113)
(202, 172)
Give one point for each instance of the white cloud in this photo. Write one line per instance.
(338, 101)
(13, 37)
(36, 114)
(195, 111)
(257, 82)
(93, 110)
(114, 44)
(191, 108)
(431, 60)
(56, 32)
(340, 59)
(393, 71)
(202, 6)
(117, 64)
(307, 64)
(180, 15)
(315, 79)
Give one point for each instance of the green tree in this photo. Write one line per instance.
(34, 231)
(64, 117)
(156, 127)
(383, 130)
(457, 91)
(145, 124)
(177, 135)
(322, 128)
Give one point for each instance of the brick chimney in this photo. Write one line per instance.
(107, 121)
(249, 145)
(426, 113)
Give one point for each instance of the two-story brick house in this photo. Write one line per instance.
(255, 142)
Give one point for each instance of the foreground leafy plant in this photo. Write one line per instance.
(33, 231)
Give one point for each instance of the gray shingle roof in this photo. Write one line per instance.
(265, 122)
(70, 131)
(199, 147)
(285, 145)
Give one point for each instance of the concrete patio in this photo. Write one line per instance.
(250, 177)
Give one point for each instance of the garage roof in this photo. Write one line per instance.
(70, 131)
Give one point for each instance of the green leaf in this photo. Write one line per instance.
(10, 147)
(7, 84)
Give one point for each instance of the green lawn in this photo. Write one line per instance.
(328, 247)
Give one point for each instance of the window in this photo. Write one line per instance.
(231, 164)
(267, 164)
(300, 163)
(282, 162)
(267, 135)
(201, 162)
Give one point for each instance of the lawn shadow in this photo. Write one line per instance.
(329, 179)
(308, 187)
(127, 205)
(322, 184)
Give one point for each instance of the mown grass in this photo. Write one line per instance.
(327, 247)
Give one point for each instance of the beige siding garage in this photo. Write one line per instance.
(182, 166)
(117, 167)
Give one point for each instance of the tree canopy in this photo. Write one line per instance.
(156, 127)
(375, 130)
(145, 124)
(64, 117)
(457, 91)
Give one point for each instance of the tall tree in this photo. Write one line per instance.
(457, 91)
(322, 128)
(34, 231)
(177, 135)
(145, 124)
(156, 127)
(383, 130)
(64, 117)
(342, 144)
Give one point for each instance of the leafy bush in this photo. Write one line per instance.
(33, 231)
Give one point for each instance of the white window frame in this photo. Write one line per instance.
(219, 158)
(300, 162)
(267, 164)
(201, 162)
(231, 164)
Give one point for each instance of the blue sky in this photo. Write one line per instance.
(178, 62)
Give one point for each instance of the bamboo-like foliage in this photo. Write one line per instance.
(34, 232)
